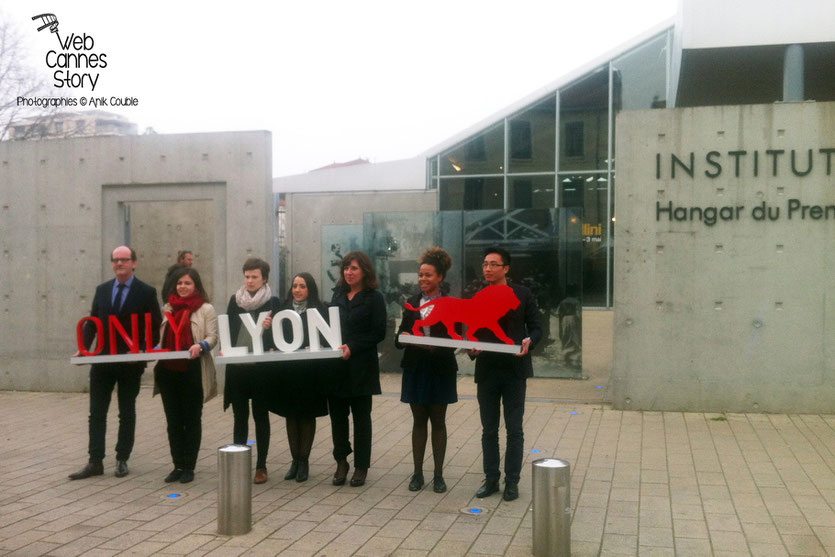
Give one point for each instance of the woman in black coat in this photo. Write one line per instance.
(362, 313)
(429, 372)
(298, 393)
(247, 381)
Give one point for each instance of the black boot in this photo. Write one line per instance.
(304, 469)
(293, 471)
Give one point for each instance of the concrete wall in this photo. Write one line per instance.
(307, 213)
(63, 205)
(738, 315)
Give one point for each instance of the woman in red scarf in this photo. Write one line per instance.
(186, 384)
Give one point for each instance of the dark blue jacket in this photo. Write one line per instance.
(140, 299)
(518, 324)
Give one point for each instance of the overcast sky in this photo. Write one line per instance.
(332, 80)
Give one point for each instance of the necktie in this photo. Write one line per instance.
(120, 288)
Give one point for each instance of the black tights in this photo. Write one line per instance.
(300, 434)
(435, 413)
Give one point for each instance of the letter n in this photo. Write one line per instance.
(132, 340)
(316, 324)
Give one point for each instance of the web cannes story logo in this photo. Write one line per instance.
(74, 59)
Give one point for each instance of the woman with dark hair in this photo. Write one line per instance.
(362, 313)
(186, 384)
(247, 381)
(429, 372)
(298, 387)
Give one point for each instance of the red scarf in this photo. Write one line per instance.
(182, 308)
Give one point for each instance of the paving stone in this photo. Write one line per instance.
(648, 483)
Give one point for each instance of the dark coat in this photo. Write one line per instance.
(141, 299)
(238, 376)
(168, 284)
(518, 324)
(442, 360)
(298, 388)
(363, 323)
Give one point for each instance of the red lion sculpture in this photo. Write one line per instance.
(483, 311)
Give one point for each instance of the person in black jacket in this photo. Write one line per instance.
(501, 379)
(297, 390)
(247, 381)
(185, 258)
(429, 372)
(362, 313)
(121, 297)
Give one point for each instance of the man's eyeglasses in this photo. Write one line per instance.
(492, 265)
(120, 259)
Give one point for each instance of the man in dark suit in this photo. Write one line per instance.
(501, 379)
(122, 296)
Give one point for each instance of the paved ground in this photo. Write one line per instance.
(642, 483)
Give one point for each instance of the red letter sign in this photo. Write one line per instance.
(149, 337)
(177, 328)
(132, 341)
(79, 333)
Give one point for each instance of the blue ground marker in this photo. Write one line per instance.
(573, 412)
(173, 495)
(599, 387)
(250, 442)
(534, 451)
(474, 510)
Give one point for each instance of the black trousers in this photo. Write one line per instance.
(103, 378)
(240, 429)
(182, 400)
(360, 408)
(502, 388)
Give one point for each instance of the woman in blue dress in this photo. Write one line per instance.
(429, 372)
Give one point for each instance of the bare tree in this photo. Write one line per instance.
(18, 80)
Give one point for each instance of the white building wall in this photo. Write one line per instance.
(719, 23)
(403, 174)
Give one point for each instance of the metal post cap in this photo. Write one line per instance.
(551, 463)
(234, 448)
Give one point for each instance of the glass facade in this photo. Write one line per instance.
(584, 123)
(547, 253)
(482, 154)
(559, 151)
(531, 138)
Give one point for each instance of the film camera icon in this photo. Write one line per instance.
(48, 20)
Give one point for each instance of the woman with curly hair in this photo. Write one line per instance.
(429, 372)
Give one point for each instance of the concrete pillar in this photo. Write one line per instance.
(793, 72)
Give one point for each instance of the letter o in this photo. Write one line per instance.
(79, 334)
(278, 331)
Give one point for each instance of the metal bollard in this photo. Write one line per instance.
(551, 508)
(234, 492)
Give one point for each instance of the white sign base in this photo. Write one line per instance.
(126, 358)
(303, 354)
(465, 344)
